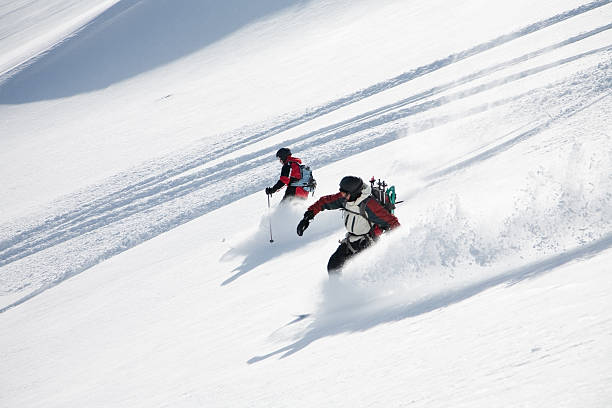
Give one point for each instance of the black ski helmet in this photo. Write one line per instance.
(351, 185)
(283, 153)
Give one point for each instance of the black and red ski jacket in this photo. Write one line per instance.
(379, 218)
(290, 172)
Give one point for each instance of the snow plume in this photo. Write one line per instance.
(558, 214)
(280, 223)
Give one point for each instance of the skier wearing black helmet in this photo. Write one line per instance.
(289, 176)
(364, 218)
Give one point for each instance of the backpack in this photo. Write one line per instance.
(307, 180)
(385, 196)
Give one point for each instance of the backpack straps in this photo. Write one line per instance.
(362, 206)
(362, 211)
(291, 172)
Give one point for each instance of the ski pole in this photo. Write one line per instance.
(270, 219)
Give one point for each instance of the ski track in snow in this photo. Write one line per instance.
(44, 250)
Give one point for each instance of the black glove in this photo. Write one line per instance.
(302, 226)
(308, 215)
(269, 190)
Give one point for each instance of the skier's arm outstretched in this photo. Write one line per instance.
(328, 202)
(374, 212)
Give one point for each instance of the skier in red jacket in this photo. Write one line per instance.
(364, 218)
(290, 174)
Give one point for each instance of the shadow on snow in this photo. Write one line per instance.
(131, 37)
(325, 326)
(257, 250)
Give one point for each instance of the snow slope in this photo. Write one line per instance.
(137, 139)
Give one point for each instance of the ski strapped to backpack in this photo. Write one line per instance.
(307, 180)
(385, 196)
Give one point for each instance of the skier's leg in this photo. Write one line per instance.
(343, 252)
(286, 198)
(334, 265)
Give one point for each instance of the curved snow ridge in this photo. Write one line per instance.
(108, 13)
(134, 32)
(48, 25)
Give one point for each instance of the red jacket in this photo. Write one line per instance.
(376, 215)
(290, 172)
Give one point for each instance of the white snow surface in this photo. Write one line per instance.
(137, 137)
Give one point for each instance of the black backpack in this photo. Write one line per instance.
(385, 196)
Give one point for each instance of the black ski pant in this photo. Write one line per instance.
(343, 253)
(290, 195)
